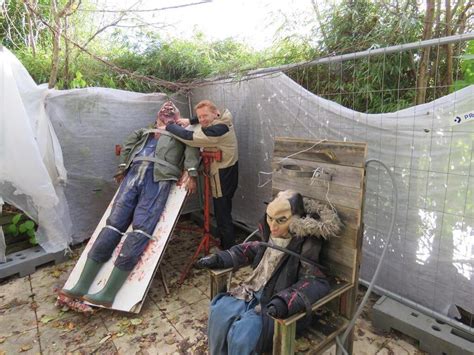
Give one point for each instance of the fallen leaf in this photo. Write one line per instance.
(26, 348)
(2, 340)
(136, 321)
(104, 339)
(56, 273)
(71, 326)
(120, 334)
(46, 319)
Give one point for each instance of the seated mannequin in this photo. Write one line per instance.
(281, 284)
(149, 164)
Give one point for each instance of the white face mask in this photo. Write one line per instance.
(279, 217)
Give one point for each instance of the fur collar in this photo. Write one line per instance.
(320, 221)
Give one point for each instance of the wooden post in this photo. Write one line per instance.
(284, 338)
(219, 280)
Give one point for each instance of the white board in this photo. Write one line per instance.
(133, 292)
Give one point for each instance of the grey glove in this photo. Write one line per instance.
(209, 262)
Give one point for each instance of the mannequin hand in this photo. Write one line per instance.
(277, 308)
(272, 311)
(191, 185)
(119, 178)
(209, 262)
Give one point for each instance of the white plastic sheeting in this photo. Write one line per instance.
(32, 173)
(430, 150)
(89, 123)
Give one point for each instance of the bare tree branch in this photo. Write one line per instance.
(102, 29)
(318, 17)
(463, 16)
(150, 10)
(422, 77)
(176, 86)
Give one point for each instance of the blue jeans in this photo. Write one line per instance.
(234, 326)
(140, 202)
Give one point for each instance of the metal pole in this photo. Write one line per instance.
(341, 58)
(369, 52)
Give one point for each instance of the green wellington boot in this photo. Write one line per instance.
(88, 274)
(106, 296)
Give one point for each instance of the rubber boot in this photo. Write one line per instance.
(106, 296)
(88, 274)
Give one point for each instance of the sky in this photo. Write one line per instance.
(251, 21)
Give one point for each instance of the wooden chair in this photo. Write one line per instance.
(325, 171)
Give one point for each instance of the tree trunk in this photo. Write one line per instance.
(31, 35)
(422, 80)
(56, 32)
(449, 49)
(66, 55)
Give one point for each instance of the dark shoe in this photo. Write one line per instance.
(106, 296)
(88, 274)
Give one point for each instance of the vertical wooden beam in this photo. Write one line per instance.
(218, 282)
(284, 338)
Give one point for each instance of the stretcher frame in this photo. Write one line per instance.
(131, 296)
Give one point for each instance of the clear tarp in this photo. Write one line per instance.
(428, 147)
(32, 174)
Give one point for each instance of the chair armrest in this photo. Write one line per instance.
(219, 280)
(284, 336)
(336, 291)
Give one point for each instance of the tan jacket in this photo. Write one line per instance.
(226, 142)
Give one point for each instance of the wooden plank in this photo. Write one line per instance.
(325, 331)
(340, 290)
(350, 217)
(342, 153)
(342, 271)
(342, 175)
(319, 189)
(284, 338)
(340, 255)
(219, 280)
(348, 237)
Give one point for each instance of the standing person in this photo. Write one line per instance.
(150, 164)
(215, 132)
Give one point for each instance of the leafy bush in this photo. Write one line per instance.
(16, 228)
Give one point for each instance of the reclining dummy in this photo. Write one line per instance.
(281, 284)
(149, 164)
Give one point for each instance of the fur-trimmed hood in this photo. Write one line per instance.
(320, 221)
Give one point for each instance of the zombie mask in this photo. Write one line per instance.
(168, 113)
(281, 211)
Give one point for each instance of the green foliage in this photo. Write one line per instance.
(16, 228)
(467, 68)
(78, 81)
(375, 84)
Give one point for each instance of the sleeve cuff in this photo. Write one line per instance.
(280, 305)
(192, 172)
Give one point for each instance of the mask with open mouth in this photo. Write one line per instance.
(168, 113)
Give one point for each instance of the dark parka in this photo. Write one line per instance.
(295, 284)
